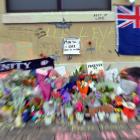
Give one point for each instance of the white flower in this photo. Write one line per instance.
(113, 117)
(79, 116)
(101, 116)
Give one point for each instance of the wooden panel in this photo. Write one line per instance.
(47, 39)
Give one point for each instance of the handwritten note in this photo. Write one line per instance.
(112, 74)
(71, 46)
(40, 32)
(128, 86)
(95, 67)
(100, 16)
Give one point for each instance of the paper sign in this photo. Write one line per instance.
(61, 70)
(71, 46)
(128, 86)
(94, 67)
(43, 71)
(111, 75)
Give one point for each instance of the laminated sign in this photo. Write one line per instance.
(94, 67)
(71, 46)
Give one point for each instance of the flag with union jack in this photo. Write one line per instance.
(128, 30)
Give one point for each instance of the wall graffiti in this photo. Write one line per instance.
(90, 49)
(46, 39)
(100, 16)
(40, 32)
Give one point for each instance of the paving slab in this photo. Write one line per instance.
(90, 131)
(128, 135)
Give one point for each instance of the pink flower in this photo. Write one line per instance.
(79, 106)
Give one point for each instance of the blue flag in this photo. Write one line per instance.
(128, 30)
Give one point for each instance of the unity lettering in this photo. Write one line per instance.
(10, 66)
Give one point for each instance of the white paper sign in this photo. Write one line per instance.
(128, 86)
(112, 74)
(94, 67)
(61, 70)
(43, 71)
(71, 46)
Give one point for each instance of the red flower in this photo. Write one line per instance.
(130, 113)
(42, 55)
(55, 95)
(94, 76)
(81, 77)
(89, 43)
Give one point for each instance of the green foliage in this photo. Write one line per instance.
(79, 71)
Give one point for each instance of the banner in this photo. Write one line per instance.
(7, 65)
(128, 30)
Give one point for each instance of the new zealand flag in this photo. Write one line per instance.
(128, 30)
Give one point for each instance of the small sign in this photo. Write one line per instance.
(94, 67)
(111, 74)
(71, 46)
